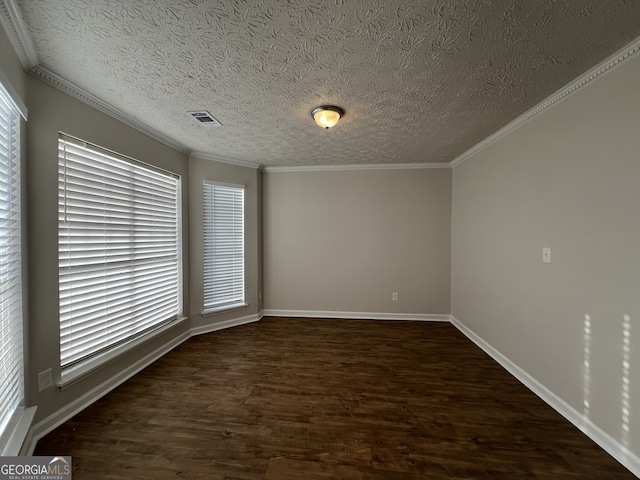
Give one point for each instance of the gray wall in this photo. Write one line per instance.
(51, 111)
(345, 240)
(200, 170)
(11, 67)
(569, 180)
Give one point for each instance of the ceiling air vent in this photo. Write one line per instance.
(205, 118)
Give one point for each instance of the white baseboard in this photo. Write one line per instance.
(627, 458)
(418, 317)
(618, 451)
(234, 322)
(56, 419)
(16, 431)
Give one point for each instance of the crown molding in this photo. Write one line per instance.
(231, 161)
(13, 25)
(608, 65)
(69, 88)
(368, 166)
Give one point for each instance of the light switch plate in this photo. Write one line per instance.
(546, 255)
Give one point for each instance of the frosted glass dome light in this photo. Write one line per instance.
(327, 116)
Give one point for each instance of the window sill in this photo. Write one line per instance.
(17, 431)
(226, 308)
(73, 375)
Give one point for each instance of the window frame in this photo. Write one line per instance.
(73, 370)
(232, 301)
(15, 418)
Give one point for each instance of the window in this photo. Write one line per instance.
(118, 249)
(11, 356)
(223, 246)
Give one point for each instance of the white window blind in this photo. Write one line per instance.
(11, 358)
(223, 246)
(118, 249)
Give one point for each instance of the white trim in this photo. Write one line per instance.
(604, 440)
(218, 158)
(417, 317)
(368, 166)
(13, 25)
(612, 62)
(224, 309)
(608, 443)
(73, 90)
(57, 418)
(19, 428)
(224, 184)
(234, 322)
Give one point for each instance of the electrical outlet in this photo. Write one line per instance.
(45, 380)
(394, 296)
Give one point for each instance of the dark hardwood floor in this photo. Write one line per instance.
(305, 399)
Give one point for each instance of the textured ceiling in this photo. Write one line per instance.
(420, 81)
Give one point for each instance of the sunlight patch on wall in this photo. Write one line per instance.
(586, 365)
(626, 378)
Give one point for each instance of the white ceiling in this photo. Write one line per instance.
(420, 81)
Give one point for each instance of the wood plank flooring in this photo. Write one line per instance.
(307, 399)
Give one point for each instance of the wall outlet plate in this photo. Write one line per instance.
(45, 380)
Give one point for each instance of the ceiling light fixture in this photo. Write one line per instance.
(327, 116)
